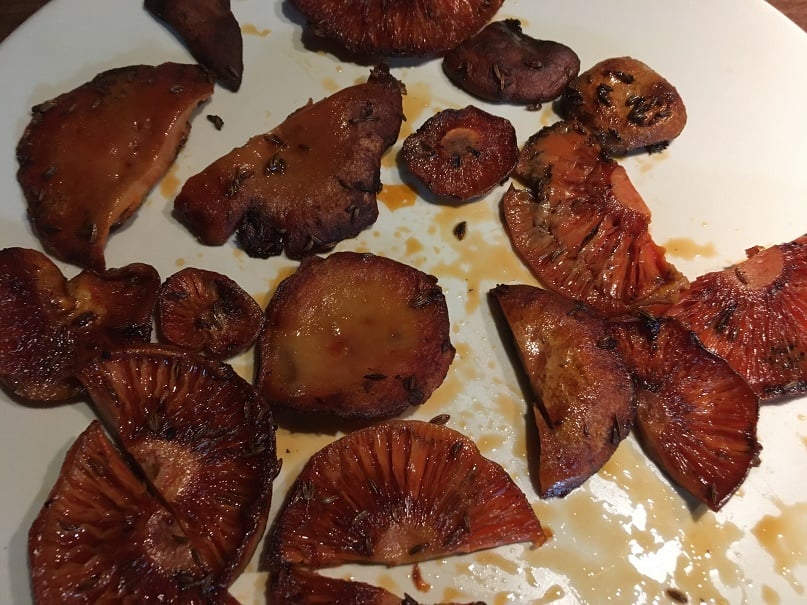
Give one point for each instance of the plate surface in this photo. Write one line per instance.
(735, 178)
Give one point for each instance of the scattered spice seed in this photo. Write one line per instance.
(603, 94)
(153, 421)
(360, 517)
(373, 487)
(275, 140)
(375, 376)
(418, 548)
(276, 165)
(620, 75)
(421, 300)
(217, 122)
(308, 490)
(440, 419)
(460, 230)
(500, 76)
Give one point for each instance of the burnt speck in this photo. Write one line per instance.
(460, 229)
(217, 122)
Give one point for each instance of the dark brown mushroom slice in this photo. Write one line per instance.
(206, 312)
(354, 335)
(298, 586)
(400, 28)
(89, 157)
(52, 326)
(627, 104)
(103, 537)
(583, 228)
(307, 184)
(585, 401)
(504, 64)
(203, 438)
(461, 153)
(695, 416)
(754, 315)
(211, 33)
(397, 493)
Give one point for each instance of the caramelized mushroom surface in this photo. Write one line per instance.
(695, 416)
(583, 228)
(461, 153)
(401, 28)
(585, 401)
(204, 440)
(305, 185)
(103, 537)
(398, 493)
(627, 104)
(206, 312)
(211, 33)
(503, 63)
(52, 326)
(754, 315)
(89, 157)
(354, 335)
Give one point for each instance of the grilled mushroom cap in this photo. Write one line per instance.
(402, 28)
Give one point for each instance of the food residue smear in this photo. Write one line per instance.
(252, 30)
(647, 162)
(395, 196)
(417, 579)
(486, 257)
(629, 537)
(330, 85)
(685, 247)
(784, 538)
(170, 184)
(416, 102)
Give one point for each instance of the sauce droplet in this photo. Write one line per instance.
(685, 247)
(784, 537)
(252, 30)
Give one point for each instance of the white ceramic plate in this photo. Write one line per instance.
(735, 178)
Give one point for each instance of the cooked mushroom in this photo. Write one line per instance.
(52, 326)
(210, 31)
(502, 63)
(695, 416)
(89, 157)
(354, 335)
(582, 227)
(461, 153)
(204, 440)
(585, 401)
(103, 537)
(205, 312)
(627, 104)
(398, 493)
(403, 27)
(305, 185)
(753, 315)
